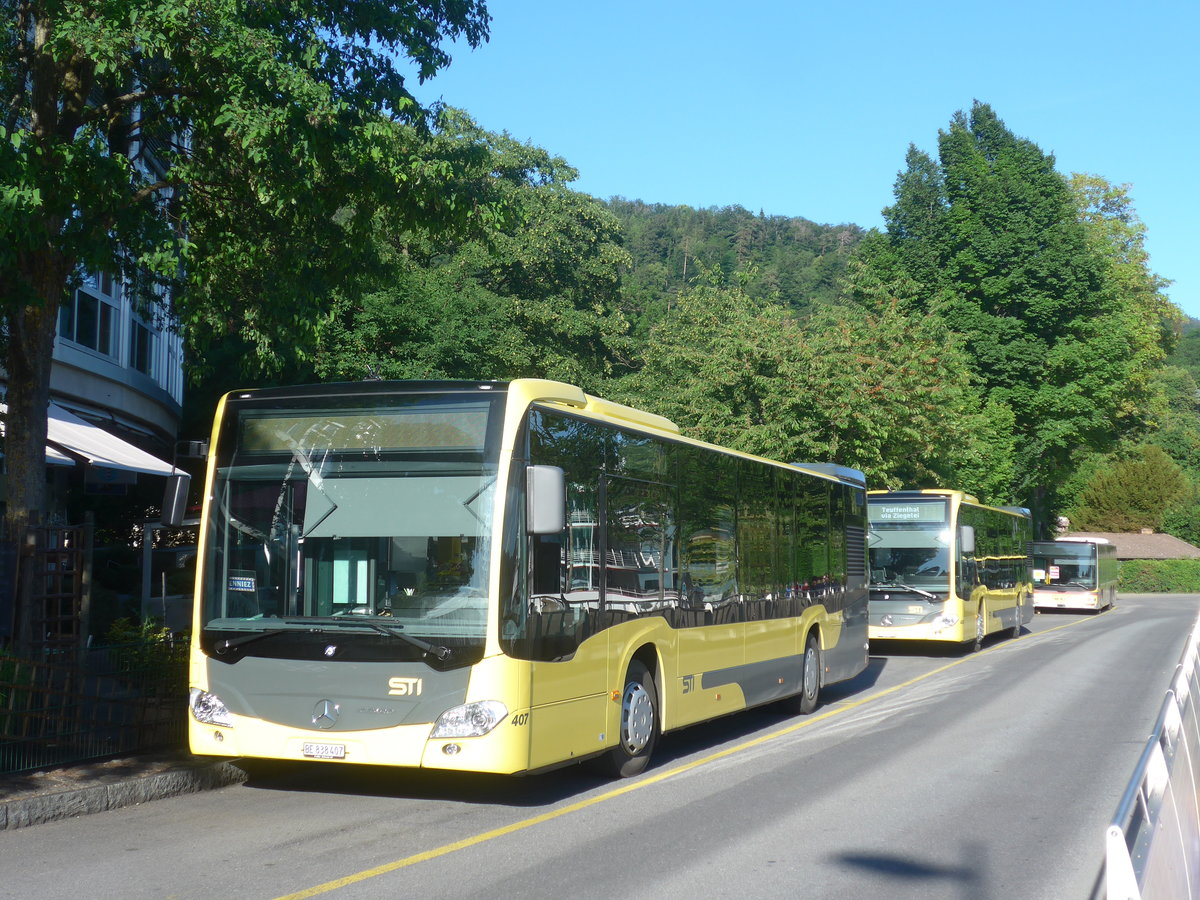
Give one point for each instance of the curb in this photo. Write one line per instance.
(23, 812)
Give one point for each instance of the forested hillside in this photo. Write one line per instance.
(788, 259)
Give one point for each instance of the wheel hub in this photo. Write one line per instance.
(637, 719)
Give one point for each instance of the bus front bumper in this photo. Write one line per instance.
(940, 628)
(501, 751)
(1066, 600)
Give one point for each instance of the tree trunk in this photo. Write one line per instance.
(30, 346)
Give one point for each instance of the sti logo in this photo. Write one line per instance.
(404, 687)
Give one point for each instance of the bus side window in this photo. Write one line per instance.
(706, 532)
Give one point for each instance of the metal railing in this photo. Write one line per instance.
(108, 701)
(1153, 842)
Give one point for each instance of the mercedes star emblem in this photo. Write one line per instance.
(325, 713)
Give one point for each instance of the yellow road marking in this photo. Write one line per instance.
(641, 782)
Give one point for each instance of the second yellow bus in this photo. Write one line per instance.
(945, 567)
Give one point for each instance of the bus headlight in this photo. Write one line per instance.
(208, 708)
(470, 719)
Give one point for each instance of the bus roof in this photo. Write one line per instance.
(844, 474)
(949, 493)
(1019, 510)
(928, 492)
(539, 390)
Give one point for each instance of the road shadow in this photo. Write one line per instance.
(539, 789)
(419, 784)
(863, 681)
(969, 875)
(1053, 611)
(925, 649)
(940, 649)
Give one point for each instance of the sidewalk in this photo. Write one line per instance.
(38, 797)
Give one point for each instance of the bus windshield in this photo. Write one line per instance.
(354, 518)
(1066, 567)
(909, 545)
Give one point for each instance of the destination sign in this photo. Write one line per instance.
(906, 511)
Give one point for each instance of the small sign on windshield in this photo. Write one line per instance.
(242, 580)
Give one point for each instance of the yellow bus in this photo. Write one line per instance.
(1074, 573)
(505, 577)
(945, 567)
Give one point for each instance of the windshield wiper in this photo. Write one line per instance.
(228, 644)
(435, 650)
(904, 587)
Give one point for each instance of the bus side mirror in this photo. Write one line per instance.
(966, 539)
(545, 499)
(174, 508)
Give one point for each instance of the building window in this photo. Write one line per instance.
(90, 322)
(141, 345)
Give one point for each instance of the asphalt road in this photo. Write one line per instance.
(932, 775)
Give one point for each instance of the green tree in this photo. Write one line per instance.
(1186, 352)
(875, 389)
(536, 295)
(1178, 431)
(1138, 307)
(1027, 272)
(137, 138)
(1183, 521)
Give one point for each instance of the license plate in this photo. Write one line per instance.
(324, 751)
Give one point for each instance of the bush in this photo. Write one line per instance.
(1132, 494)
(1174, 576)
(148, 653)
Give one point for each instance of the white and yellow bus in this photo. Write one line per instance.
(505, 577)
(945, 567)
(1074, 573)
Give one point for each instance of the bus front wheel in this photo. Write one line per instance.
(805, 701)
(639, 727)
(811, 691)
(980, 630)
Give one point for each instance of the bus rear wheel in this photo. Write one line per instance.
(639, 727)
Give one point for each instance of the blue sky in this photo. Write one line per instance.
(807, 109)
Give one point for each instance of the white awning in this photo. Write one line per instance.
(93, 443)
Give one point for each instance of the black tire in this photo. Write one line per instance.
(1016, 631)
(804, 702)
(810, 691)
(639, 728)
(980, 628)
